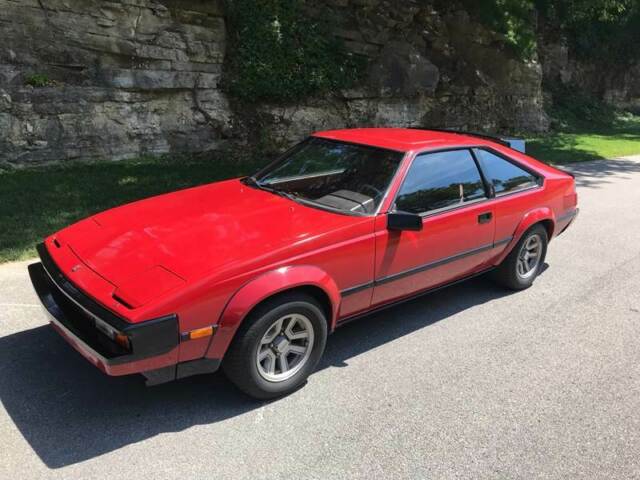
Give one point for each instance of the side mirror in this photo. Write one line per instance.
(404, 221)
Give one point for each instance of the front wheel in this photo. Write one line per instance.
(277, 347)
(523, 264)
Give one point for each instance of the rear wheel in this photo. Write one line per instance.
(521, 267)
(277, 347)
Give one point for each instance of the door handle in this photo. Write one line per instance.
(485, 217)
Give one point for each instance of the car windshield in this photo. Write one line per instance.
(331, 174)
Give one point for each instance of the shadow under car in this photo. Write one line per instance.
(68, 411)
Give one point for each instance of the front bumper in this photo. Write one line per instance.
(153, 344)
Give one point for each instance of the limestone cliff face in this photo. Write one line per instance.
(125, 78)
(118, 79)
(427, 68)
(619, 86)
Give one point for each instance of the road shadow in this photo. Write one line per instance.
(70, 412)
(597, 174)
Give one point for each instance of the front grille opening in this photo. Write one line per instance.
(84, 327)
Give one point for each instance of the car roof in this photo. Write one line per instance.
(401, 139)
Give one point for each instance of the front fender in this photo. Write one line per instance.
(263, 287)
(528, 220)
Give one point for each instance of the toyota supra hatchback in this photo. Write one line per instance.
(250, 275)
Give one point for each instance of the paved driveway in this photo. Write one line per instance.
(470, 382)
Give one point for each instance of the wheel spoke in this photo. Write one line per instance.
(292, 323)
(297, 349)
(298, 335)
(284, 364)
(273, 332)
(270, 364)
(295, 335)
(278, 325)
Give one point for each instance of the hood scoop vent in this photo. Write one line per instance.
(139, 289)
(121, 301)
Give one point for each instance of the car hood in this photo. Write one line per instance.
(221, 228)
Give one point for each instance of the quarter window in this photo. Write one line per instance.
(440, 180)
(502, 174)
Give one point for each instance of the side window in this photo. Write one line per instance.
(504, 175)
(440, 180)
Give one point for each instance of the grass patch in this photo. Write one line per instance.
(37, 202)
(584, 130)
(581, 147)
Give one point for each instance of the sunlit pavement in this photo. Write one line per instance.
(470, 382)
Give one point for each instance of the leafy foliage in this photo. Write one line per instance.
(283, 53)
(573, 109)
(605, 30)
(514, 19)
(38, 80)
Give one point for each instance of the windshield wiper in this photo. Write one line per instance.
(253, 182)
(282, 193)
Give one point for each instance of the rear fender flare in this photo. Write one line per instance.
(528, 220)
(263, 287)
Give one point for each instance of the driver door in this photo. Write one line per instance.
(447, 190)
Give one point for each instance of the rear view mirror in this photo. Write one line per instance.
(404, 221)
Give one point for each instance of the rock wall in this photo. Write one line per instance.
(428, 67)
(124, 78)
(116, 79)
(619, 86)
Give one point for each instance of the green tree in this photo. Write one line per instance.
(603, 30)
(513, 19)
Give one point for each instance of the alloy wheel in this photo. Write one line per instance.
(285, 348)
(529, 256)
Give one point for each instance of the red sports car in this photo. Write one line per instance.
(252, 274)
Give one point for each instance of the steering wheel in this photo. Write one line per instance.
(378, 193)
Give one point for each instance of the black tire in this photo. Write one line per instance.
(507, 272)
(239, 364)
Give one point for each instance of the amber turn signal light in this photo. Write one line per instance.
(122, 340)
(201, 332)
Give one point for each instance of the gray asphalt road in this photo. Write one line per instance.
(470, 382)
